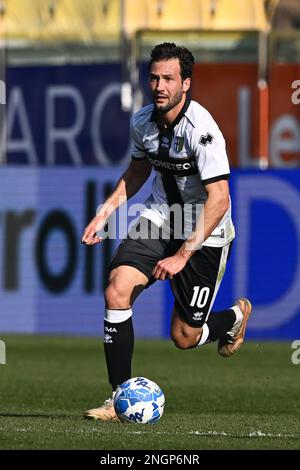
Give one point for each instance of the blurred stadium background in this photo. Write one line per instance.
(74, 71)
(71, 74)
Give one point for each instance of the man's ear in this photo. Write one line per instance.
(186, 84)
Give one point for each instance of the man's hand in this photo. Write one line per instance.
(168, 267)
(89, 235)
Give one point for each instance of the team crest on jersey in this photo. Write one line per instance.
(206, 139)
(178, 143)
(165, 142)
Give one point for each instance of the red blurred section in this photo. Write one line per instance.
(216, 87)
(284, 114)
(272, 118)
(264, 121)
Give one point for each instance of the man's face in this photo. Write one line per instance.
(166, 84)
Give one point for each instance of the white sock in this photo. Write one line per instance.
(204, 336)
(117, 315)
(238, 314)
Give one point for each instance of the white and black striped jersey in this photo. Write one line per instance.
(186, 156)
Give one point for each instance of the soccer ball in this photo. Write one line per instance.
(139, 400)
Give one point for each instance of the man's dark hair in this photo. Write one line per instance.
(169, 50)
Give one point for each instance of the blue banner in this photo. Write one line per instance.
(264, 263)
(66, 115)
(51, 283)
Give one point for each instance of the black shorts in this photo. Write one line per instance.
(195, 287)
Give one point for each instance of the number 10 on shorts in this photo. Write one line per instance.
(200, 297)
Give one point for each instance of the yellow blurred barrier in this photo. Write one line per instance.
(24, 19)
(97, 20)
(66, 20)
(164, 14)
(195, 14)
(239, 15)
(85, 20)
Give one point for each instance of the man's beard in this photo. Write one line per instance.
(174, 102)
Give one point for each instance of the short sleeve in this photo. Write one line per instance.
(137, 149)
(210, 153)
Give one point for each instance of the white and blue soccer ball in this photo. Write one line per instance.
(139, 400)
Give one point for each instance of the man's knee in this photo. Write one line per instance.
(117, 295)
(184, 341)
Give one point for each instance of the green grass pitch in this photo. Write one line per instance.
(249, 401)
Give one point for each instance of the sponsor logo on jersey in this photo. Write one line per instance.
(206, 139)
(180, 167)
(178, 143)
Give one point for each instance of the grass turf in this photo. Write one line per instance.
(249, 401)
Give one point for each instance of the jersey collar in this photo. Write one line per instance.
(182, 112)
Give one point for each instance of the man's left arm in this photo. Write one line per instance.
(215, 207)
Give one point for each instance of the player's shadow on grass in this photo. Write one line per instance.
(31, 415)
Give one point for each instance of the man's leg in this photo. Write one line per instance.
(234, 338)
(125, 284)
(228, 326)
(186, 336)
(195, 289)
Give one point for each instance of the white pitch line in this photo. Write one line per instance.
(253, 434)
(209, 433)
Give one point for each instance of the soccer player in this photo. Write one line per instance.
(181, 141)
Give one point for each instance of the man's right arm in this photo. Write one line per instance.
(128, 185)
